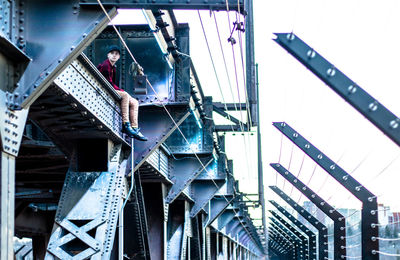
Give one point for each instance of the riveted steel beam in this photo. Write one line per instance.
(364, 103)
(185, 171)
(217, 206)
(295, 242)
(306, 240)
(288, 245)
(229, 106)
(369, 212)
(303, 244)
(281, 239)
(60, 41)
(167, 4)
(311, 235)
(223, 113)
(322, 230)
(339, 221)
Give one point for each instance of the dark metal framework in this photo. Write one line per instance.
(311, 235)
(300, 245)
(369, 211)
(74, 168)
(364, 103)
(339, 221)
(306, 242)
(322, 230)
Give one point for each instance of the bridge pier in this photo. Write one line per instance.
(87, 213)
(12, 125)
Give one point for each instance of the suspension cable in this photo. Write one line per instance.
(165, 108)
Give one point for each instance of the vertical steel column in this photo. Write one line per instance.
(293, 239)
(12, 125)
(89, 202)
(339, 221)
(302, 242)
(7, 205)
(261, 197)
(303, 238)
(322, 230)
(250, 63)
(369, 212)
(289, 246)
(303, 228)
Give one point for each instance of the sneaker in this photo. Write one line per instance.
(127, 129)
(138, 135)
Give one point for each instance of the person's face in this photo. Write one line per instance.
(113, 56)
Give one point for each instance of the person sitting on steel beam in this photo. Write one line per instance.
(129, 105)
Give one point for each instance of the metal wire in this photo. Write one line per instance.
(298, 174)
(351, 246)
(222, 95)
(358, 234)
(165, 108)
(383, 253)
(385, 239)
(383, 225)
(225, 64)
(351, 257)
(215, 71)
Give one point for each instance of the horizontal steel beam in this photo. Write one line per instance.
(168, 4)
(230, 106)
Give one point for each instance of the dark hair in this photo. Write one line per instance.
(113, 48)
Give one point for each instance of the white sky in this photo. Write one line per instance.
(361, 39)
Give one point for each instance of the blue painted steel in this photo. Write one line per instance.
(167, 4)
(367, 105)
(185, 170)
(53, 45)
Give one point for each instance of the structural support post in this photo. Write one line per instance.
(369, 212)
(367, 105)
(339, 221)
(261, 196)
(300, 250)
(7, 205)
(322, 230)
(284, 242)
(302, 242)
(303, 238)
(12, 125)
(303, 228)
(252, 96)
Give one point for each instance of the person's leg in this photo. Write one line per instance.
(133, 111)
(124, 105)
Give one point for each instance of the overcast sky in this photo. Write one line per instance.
(361, 39)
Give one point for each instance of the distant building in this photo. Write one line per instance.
(394, 219)
(383, 214)
(353, 216)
